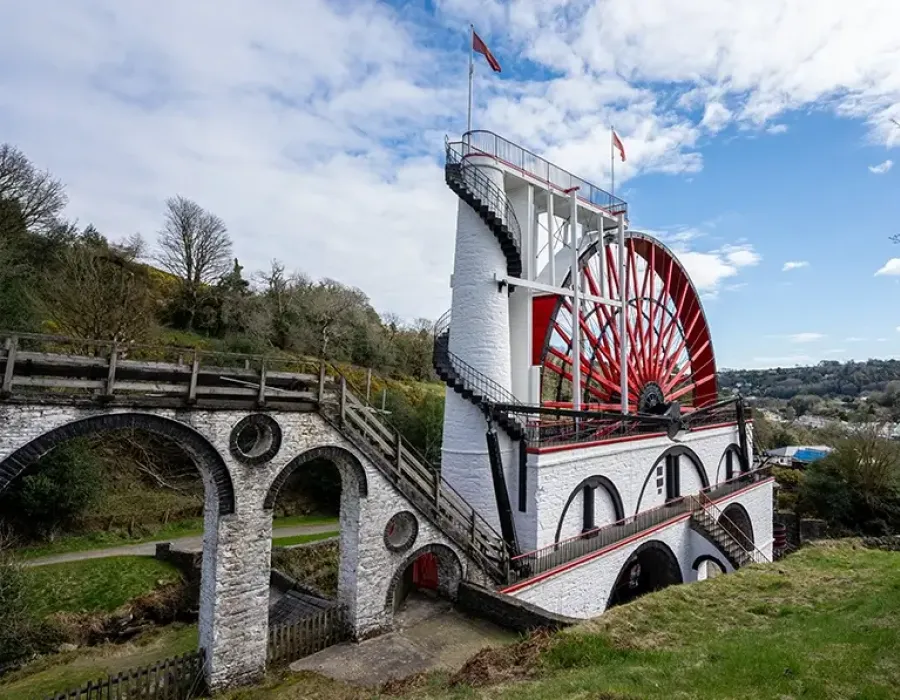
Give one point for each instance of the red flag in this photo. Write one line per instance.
(617, 142)
(480, 47)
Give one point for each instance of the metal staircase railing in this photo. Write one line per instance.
(530, 564)
(488, 200)
(483, 391)
(741, 550)
(412, 475)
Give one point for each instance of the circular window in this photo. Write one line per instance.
(255, 439)
(401, 531)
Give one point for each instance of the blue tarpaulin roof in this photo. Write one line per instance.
(808, 455)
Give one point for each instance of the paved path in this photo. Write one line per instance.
(430, 635)
(148, 549)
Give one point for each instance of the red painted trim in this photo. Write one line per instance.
(612, 441)
(621, 543)
(593, 555)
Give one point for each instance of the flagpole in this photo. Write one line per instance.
(471, 78)
(612, 160)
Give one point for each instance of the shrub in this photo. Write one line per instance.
(54, 492)
(857, 487)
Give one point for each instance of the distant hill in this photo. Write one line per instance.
(828, 379)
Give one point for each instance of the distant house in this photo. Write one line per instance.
(797, 456)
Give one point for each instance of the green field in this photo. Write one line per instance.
(184, 528)
(95, 585)
(303, 539)
(61, 672)
(823, 623)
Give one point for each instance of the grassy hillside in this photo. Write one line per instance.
(824, 623)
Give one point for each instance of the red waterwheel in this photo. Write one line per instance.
(669, 349)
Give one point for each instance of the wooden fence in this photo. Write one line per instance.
(180, 678)
(288, 643)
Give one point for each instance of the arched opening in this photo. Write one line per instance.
(708, 567)
(595, 502)
(730, 464)
(736, 521)
(651, 567)
(115, 479)
(432, 570)
(677, 472)
(315, 504)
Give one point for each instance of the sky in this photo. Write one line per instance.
(758, 135)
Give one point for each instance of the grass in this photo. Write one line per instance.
(316, 566)
(824, 623)
(302, 539)
(174, 530)
(62, 672)
(94, 585)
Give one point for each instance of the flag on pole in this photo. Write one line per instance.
(480, 47)
(617, 142)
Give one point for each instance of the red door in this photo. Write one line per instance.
(425, 571)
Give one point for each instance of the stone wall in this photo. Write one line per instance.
(582, 591)
(631, 466)
(236, 556)
(507, 611)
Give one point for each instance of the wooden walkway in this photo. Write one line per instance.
(46, 369)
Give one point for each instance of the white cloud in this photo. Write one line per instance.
(836, 351)
(805, 337)
(898, 330)
(854, 339)
(891, 267)
(715, 116)
(794, 265)
(709, 269)
(881, 168)
(881, 340)
(314, 129)
(777, 129)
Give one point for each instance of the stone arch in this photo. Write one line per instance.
(735, 451)
(347, 464)
(736, 520)
(707, 558)
(596, 481)
(659, 568)
(680, 450)
(206, 458)
(450, 572)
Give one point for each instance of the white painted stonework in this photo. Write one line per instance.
(237, 547)
(479, 336)
(583, 591)
(631, 466)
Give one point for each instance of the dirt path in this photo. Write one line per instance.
(191, 544)
(429, 635)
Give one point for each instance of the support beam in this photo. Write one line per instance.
(576, 299)
(623, 304)
(550, 289)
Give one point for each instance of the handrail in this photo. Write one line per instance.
(482, 187)
(541, 169)
(754, 553)
(553, 555)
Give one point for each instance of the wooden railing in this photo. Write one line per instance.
(179, 678)
(58, 369)
(418, 480)
(288, 643)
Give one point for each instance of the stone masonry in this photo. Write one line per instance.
(238, 525)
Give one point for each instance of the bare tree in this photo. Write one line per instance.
(195, 247)
(98, 293)
(38, 197)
